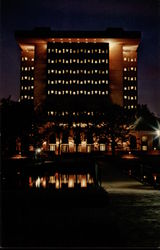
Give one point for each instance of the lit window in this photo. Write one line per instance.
(22, 78)
(135, 69)
(135, 97)
(49, 50)
(125, 59)
(22, 68)
(22, 58)
(48, 92)
(25, 96)
(52, 92)
(131, 59)
(125, 78)
(25, 77)
(32, 59)
(132, 106)
(48, 81)
(125, 69)
(106, 92)
(88, 93)
(32, 78)
(131, 78)
(48, 71)
(125, 88)
(25, 58)
(125, 97)
(106, 81)
(131, 68)
(96, 91)
(32, 68)
(32, 87)
(131, 97)
(81, 91)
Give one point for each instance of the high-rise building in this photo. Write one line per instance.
(69, 75)
(58, 65)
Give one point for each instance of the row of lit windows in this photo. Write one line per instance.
(88, 51)
(130, 97)
(77, 82)
(27, 97)
(27, 87)
(130, 88)
(27, 59)
(130, 69)
(130, 78)
(130, 107)
(130, 59)
(27, 68)
(78, 61)
(96, 71)
(27, 78)
(78, 92)
(63, 113)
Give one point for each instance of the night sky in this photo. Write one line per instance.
(141, 15)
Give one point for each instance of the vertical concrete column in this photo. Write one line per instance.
(116, 73)
(40, 77)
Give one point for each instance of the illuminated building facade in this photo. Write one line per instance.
(69, 75)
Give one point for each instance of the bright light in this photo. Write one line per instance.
(71, 182)
(158, 132)
(38, 150)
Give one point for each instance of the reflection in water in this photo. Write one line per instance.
(59, 181)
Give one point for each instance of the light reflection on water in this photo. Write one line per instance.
(59, 181)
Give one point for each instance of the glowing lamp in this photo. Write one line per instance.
(158, 132)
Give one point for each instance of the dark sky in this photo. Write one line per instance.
(141, 15)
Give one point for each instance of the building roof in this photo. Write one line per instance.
(46, 32)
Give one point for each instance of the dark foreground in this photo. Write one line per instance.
(121, 213)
